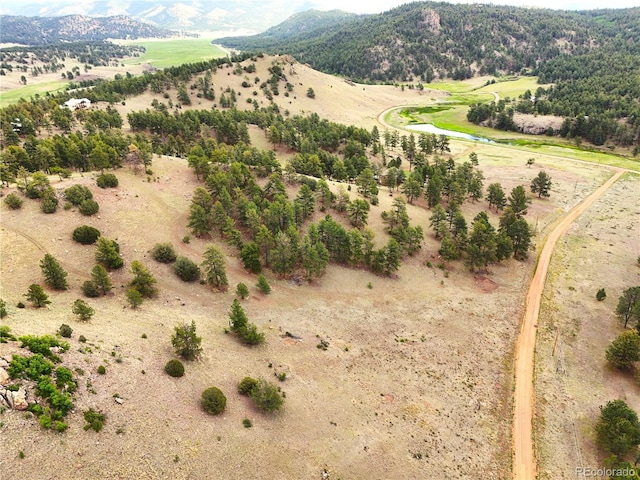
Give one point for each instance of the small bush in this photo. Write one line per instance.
(163, 253)
(242, 291)
(266, 396)
(101, 370)
(13, 201)
(213, 401)
(82, 310)
(89, 207)
(48, 201)
(134, 297)
(246, 385)
(601, 295)
(65, 330)
(174, 368)
(86, 235)
(107, 180)
(90, 289)
(263, 285)
(20, 305)
(76, 194)
(186, 270)
(247, 423)
(95, 420)
(3, 308)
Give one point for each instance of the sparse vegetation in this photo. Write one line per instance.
(213, 401)
(164, 253)
(185, 341)
(82, 310)
(174, 368)
(13, 201)
(266, 396)
(86, 235)
(95, 420)
(186, 269)
(107, 180)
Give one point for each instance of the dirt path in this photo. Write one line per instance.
(524, 465)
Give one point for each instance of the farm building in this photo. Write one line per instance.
(75, 103)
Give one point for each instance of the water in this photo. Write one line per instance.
(431, 128)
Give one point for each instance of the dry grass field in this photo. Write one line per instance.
(600, 251)
(416, 381)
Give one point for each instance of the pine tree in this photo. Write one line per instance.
(100, 278)
(541, 184)
(143, 280)
(37, 296)
(54, 274)
(214, 268)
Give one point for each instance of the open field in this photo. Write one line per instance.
(575, 329)
(417, 379)
(163, 53)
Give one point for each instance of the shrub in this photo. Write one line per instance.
(43, 344)
(266, 396)
(601, 295)
(186, 270)
(107, 180)
(95, 420)
(263, 285)
(174, 368)
(185, 341)
(213, 401)
(48, 201)
(246, 385)
(13, 201)
(86, 235)
(101, 370)
(76, 194)
(65, 330)
(90, 289)
(82, 310)
(89, 207)
(5, 334)
(163, 253)
(624, 351)
(242, 291)
(108, 253)
(3, 308)
(250, 335)
(134, 297)
(37, 296)
(247, 423)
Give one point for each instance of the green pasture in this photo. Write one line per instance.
(28, 91)
(174, 52)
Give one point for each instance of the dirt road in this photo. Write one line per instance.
(524, 465)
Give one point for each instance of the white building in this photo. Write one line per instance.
(75, 103)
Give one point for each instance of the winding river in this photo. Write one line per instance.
(431, 128)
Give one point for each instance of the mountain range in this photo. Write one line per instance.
(229, 17)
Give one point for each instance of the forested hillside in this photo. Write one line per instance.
(74, 28)
(427, 40)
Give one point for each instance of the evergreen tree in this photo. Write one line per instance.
(185, 341)
(214, 268)
(518, 201)
(237, 318)
(496, 196)
(143, 280)
(541, 184)
(108, 253)
(36, 295)
(82, 310)
(618, 429)
(100, 278)
(54, 274)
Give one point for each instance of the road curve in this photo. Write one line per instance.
(524, 465)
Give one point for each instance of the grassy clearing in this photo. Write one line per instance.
(170, 53)
(28, 91)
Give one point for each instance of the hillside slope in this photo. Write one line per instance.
(427, 40)
(73, 28)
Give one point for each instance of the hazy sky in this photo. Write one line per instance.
(376, 6)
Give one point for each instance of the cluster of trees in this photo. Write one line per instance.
(481, 245)
(624, 351)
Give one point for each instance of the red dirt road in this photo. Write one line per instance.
(524, 465)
